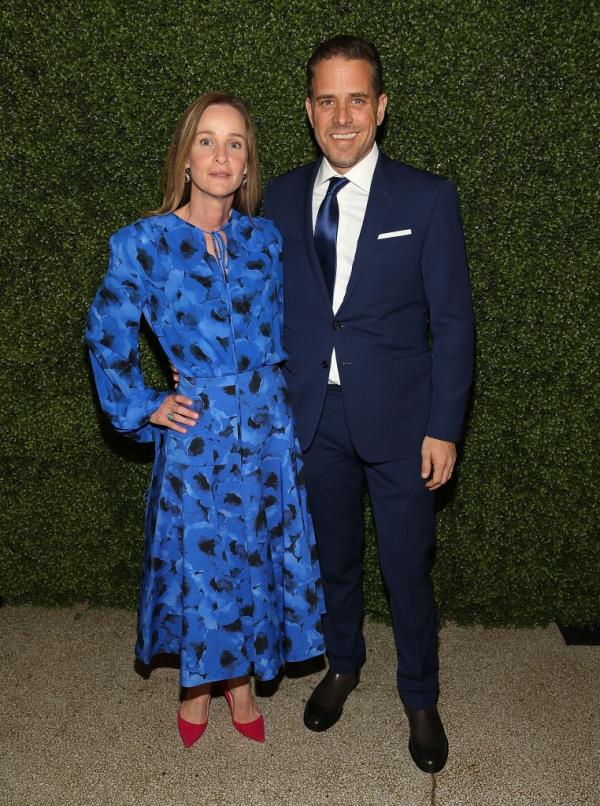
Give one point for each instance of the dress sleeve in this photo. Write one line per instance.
(280, 294)
(279, 306)
(112, 337)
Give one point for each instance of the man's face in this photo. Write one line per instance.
(344, 111)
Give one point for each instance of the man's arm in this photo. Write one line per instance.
(447, 287)
(448, 292)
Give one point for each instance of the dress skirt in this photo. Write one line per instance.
(230, 578)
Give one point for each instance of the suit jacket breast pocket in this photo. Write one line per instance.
(398, 243)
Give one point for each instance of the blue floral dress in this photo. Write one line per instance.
(230, 579)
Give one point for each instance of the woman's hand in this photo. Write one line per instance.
(174, 410)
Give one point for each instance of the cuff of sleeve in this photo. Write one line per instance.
(155, 401)
(145, 432)
(452, 434)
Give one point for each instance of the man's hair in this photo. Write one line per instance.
(348, 47)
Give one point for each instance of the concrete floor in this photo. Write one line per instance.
(80, 726)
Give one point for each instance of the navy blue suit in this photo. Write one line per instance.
(403, 337)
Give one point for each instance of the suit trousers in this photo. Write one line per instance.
(403, 511)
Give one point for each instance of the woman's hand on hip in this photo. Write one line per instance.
(174, 413)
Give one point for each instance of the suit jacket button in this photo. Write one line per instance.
(337, 325)
(325, 364)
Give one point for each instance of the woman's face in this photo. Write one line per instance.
(219, 155)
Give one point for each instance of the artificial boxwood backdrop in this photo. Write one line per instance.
(495, 95)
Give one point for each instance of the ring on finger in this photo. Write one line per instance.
(171, 416)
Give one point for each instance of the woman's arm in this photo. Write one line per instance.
(112, 336)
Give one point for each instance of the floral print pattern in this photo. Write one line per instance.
(230, 579)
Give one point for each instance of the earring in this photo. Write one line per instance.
(187, 177)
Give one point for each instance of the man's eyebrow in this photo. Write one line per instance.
(326, 96)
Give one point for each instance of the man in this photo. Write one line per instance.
(375, 272)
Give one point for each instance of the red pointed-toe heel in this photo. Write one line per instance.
(190, 732)
(254, 730)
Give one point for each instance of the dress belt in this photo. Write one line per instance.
(220, 381)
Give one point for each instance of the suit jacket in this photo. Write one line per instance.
(403, 334)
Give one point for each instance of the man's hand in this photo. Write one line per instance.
(437, 460)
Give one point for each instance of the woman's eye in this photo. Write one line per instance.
(205, 141)
(235, 144)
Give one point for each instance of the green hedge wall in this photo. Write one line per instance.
(495, 95)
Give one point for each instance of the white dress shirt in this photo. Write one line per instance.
(352, 203)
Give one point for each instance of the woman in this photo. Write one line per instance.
(230, 581)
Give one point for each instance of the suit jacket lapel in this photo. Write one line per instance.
(308, 236)
(380, 198)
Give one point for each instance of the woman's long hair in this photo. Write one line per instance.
(176, 192)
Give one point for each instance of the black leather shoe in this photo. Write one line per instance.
(428, 744)
(326, 703)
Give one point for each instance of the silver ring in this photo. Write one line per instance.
(171, 416)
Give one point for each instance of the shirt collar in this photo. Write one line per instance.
(360, 174)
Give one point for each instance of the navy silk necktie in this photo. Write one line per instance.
(326, 228)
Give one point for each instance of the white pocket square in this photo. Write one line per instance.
(396, 234)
